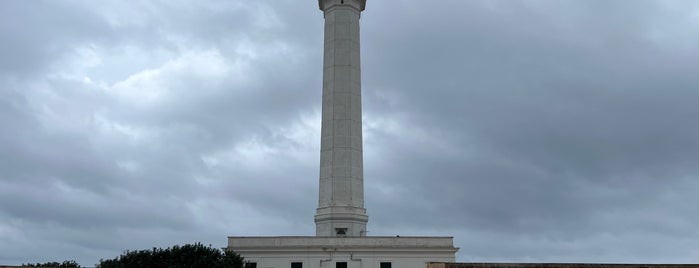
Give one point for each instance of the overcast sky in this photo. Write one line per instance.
(531, 131)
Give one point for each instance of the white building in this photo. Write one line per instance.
(341, 218)
(343, 252)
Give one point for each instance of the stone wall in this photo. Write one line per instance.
(557, 265)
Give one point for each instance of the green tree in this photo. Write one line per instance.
(65, 264)
(187, 256)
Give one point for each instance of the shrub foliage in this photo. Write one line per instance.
(187, 256)
(65, 264)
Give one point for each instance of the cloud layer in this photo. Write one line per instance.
(529, 130)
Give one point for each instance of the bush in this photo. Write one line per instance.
(66, 264)
(187, 256)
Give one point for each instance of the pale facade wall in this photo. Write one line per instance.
(353, 259)
(358, 252)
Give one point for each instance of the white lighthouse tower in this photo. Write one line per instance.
(341, 218)
(341, 193)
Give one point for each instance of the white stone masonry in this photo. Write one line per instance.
(341, 209)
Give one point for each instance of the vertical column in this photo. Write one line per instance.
(341, 194)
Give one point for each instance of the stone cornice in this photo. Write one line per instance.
(370, 242)
(324, 5)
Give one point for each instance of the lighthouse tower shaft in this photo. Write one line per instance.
(341, 209)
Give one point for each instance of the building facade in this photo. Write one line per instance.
(343, 252)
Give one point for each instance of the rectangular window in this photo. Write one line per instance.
(385, 265)
(340, 265)
(296, 265)
(251, 265)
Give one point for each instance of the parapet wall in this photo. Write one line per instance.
(249, 242)
(557, 265)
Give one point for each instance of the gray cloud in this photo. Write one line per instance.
(572, 123)
(531, 131)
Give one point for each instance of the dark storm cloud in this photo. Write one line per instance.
(529, 130)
